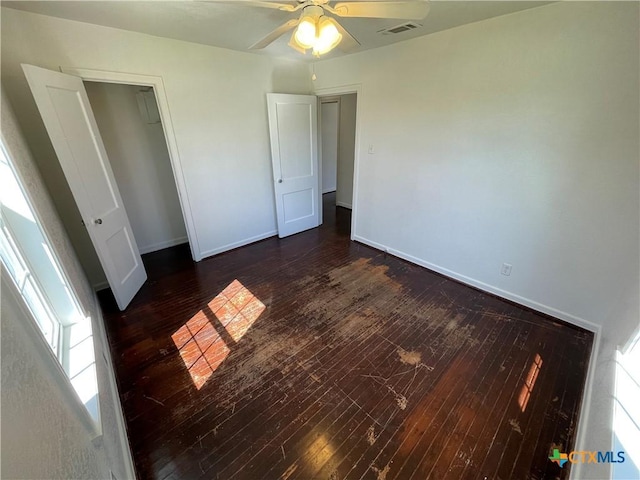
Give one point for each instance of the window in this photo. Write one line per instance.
(626, 409)
(26, 254)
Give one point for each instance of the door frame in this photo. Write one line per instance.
(332, 92)
(157, 83)
(322, 100)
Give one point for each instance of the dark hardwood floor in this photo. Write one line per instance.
(317, 357)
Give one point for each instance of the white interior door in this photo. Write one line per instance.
(66, 112)
(293, 127)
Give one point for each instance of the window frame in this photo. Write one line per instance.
(56, 354)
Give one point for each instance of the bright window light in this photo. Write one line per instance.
(26, 254)
(626, 412)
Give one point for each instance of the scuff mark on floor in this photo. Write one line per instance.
(409, 358)
(371, 435)
(515, 425)
(401, 400)
(382, 474)
(357, 405)
(412, 358)
(153, 400)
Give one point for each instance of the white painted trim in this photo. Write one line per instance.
(582, 441)
(320, 154)
(113, 390)
(76, 297)
(567, 317)
(343, 204)
(328, 191)
(241, 243)
(48, 360)
(100, 286)
(345, 90)
(335, 99)
(322, 101)
(160, 245)
(174, 156)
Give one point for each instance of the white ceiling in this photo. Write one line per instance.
(237, 25)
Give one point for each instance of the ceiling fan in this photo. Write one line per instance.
(315, 30)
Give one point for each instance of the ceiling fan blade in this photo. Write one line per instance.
(285, 7)
(281, 30)
(410, 10)
(348, 42)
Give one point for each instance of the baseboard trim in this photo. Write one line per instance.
(345, 205)
(160, 245)
(328, 191)
(554, 312)
(582, 435)
(100, 286)
(121, 427)
(241, 243)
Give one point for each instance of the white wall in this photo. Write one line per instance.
(512, 140)
(140, 161)
(42, 435)
(346, 150)
(218, 107)
(329, 116)
(515, 140)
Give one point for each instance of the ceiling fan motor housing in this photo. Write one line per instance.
(313, 11)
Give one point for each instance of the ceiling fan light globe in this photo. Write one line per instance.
(305, 34)
(328, 36)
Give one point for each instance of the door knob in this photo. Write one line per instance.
(98, 221)
(279, 180)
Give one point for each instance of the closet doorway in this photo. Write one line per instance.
(129, 122)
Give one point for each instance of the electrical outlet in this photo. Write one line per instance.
(372, 149)
(506, 269)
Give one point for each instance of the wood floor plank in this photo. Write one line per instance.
(314, 356)
(443, 401)
(437, 461)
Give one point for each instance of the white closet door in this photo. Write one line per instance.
(66, 112)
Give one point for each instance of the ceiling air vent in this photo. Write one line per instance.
(405, 27)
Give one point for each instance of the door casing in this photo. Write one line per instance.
(345, 90)
(169, 134)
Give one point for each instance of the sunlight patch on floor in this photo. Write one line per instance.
(530, 381)
(205, 341)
